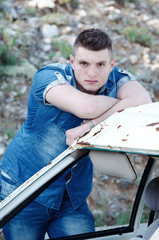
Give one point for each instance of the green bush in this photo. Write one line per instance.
(61, 2)
(55, 18)
(64, 47)
(10, 133)
(51, 55)
(123, 219)
(138, 35)
(31, 11)
(145, 214)
(99, 221)
(6, 56)
(123, 2)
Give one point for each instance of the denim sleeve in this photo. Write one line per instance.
(124, 77)
(44, 80)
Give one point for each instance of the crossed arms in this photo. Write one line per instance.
(95, 107)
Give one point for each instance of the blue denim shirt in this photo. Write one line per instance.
(42, 137)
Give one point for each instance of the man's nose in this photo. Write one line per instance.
(92, 72)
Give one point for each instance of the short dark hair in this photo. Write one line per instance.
(93, 39)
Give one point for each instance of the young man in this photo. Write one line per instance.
(89, 88)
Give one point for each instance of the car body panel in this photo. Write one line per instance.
(133, 130)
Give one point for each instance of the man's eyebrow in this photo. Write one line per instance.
(83, 60)
(102, 61)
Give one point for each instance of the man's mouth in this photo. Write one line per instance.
(91, 81)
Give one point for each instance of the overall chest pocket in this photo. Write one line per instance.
(8, 185)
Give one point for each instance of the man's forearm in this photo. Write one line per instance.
(122, 104)
(85, 106)
(130, 94)
(117, 107)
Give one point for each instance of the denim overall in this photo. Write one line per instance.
(42, 138)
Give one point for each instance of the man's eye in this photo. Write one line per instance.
(101, 64)
(83, 63)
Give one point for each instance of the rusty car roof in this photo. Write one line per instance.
(134, 129)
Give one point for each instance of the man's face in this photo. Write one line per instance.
(91, 69)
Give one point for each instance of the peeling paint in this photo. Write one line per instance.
(85, 144)
(71, 147)
(152, 124)
(49, 163)
(84, 134)
(97, 132)
(121, 110)
(110, 147)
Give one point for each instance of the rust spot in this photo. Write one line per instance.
(85, 144)
(110, 147)
(119, 126)
(49, 163)
(84, 134)
(152, 124)
(97, 132)
(71, 147)
(120, 110)
(157, 129)
(124, 139)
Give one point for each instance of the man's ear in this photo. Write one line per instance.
(71, 60)
(112, 63)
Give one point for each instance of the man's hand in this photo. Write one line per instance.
(76, 132)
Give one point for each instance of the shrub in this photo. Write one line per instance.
(30, 11)
(55, 18)
(6, 46)
(138, 35)
(64, 47)
(10, 133)
(6, 57)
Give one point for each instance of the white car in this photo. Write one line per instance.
(133, 130)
